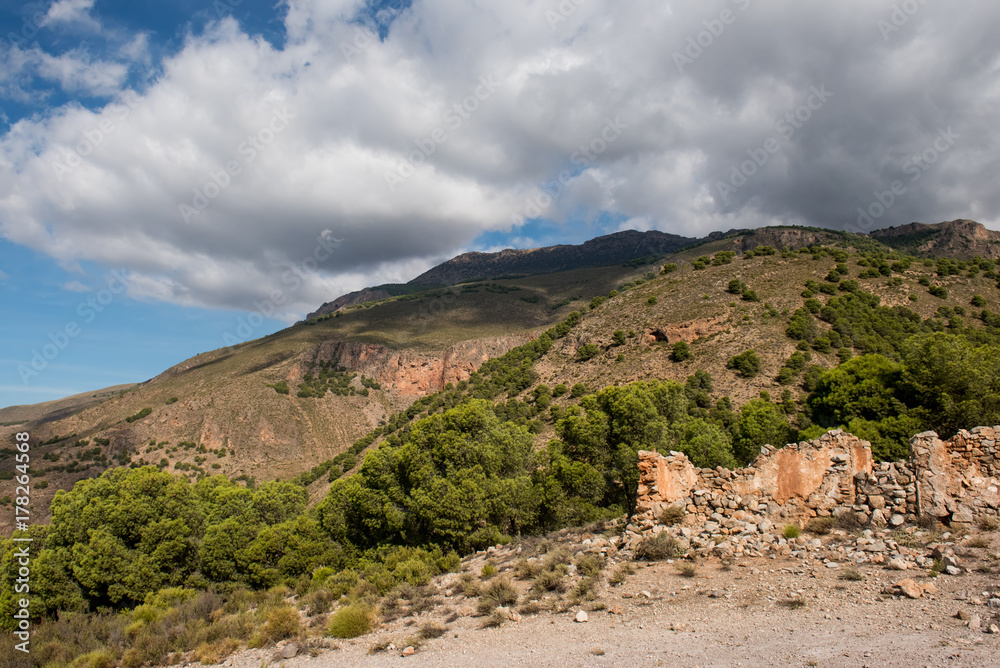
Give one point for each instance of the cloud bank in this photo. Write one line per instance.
(234, 164)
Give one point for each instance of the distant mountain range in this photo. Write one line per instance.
(957, 238)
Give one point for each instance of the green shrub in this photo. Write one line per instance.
(351, 621)
(587, 351)
(681, 351)
(578, 390)
(138, 416)
(791, 531)
(668, 268)
(978, 301)
(746, 364)
(281, 387)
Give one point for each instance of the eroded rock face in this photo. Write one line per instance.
(958, 481)
(686, 331)
(409, 372)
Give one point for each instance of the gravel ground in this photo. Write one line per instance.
(762, 612)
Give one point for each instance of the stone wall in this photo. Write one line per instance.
(955, 481)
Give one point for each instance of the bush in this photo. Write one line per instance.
(498, 593)
(820, 526)
(978, 301)
(590, 565)
(350, 622)
(621, 573)
(791, 531)
(282, 622)
(210, 653)
(587, 351)
(550, 580)
(578, 390)
(687, 569)
(746, 364)
(281, 387)
(101, 658)
(138, 416)
(527, 570)
(938, 291)
(652, 301)
(559, 390)
(668, 269)
(658, 547)
(681, 351)
(672, 515)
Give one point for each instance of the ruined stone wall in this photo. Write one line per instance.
(956, 481)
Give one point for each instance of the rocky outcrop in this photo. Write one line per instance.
(956, 481)
(781, 237)
(956, 238)
(685, 331)
(409, 372)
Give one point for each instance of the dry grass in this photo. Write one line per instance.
(820, 526)
(687, 569)
(659, 547)
(209, 653)
(671, 515)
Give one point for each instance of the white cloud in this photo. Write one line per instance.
(71, 12)
(76, 286)
(123, 171)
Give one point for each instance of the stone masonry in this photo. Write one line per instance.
(956, 481)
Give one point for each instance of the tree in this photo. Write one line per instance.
(680, 351)
(705, 443)
(746, 364)
(587, 351)
(759, 423)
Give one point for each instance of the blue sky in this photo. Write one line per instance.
(230, 158)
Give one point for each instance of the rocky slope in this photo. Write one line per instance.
(957, 238)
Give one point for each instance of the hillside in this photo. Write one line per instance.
(252, 411)
(407, 432)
